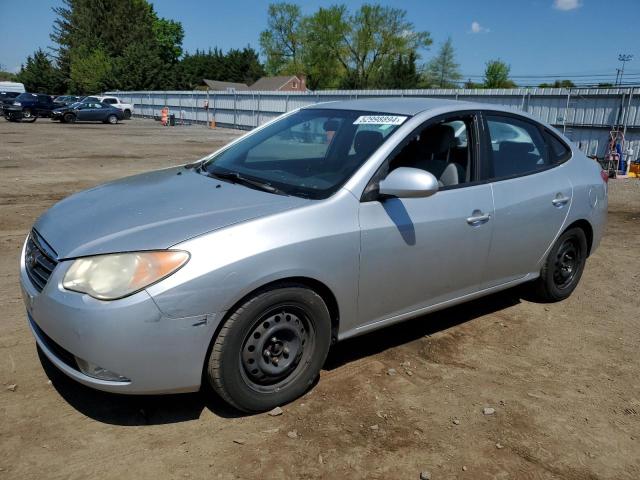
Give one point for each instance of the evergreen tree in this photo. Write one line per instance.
(40, 75)
(442, 71)
(402, 73)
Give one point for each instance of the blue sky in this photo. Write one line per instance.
(573, 37)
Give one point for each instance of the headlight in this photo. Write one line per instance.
(109, 277)
(17, 104)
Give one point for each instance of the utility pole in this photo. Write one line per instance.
(624, 58)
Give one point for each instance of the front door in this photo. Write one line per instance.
(418, 252)
(532, 197)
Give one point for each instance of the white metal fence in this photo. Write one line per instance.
(585, 115)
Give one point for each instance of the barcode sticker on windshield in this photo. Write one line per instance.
(380, 120)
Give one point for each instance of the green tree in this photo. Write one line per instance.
(496, 75)
(471, 84)
(91, 71)
(168, 38)
(234, 66)
(6, 76)
(401, 73)
(336, 48)
(443, 71)
(282, 41)
(103, 34)
(558, 84)
(40, 75)
(323, 33)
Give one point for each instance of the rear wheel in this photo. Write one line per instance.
(127, 114)
(564, 266)
(271, 349)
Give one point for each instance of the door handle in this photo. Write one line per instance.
(560, 201)
(478, 218)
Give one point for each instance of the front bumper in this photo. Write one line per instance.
(130, 337)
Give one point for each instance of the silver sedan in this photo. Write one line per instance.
(331, 221)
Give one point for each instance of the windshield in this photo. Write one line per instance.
(26, 96)
(310, 153)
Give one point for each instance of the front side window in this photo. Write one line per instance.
(310, 153)
(442, 149)
(517, 147)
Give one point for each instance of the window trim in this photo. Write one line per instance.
(487, 152)
(370, 192)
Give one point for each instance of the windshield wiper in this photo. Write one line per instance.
(235, 177)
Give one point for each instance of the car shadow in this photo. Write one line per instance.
(410, 330)
(136, 410)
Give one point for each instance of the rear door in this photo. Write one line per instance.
(532, 196)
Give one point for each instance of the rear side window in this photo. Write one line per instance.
(558, 151)
(517, 147)
(109, 100)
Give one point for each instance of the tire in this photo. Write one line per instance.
(69, 118)
(270, 350)
(28, 116)
(112, 119)
(127, 114)
(563, 267)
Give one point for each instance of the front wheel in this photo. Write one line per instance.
(271, 348)
(69, 118)
(28, 116)
(112, 119)
(563, 268)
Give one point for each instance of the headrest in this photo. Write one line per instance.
(366, 142)
(331, 125)
(437, 139)
(516, 148)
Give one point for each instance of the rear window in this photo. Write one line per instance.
(558, 151)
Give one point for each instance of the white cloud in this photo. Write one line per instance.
(477, 28)
(565, 5)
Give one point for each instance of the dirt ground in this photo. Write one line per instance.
(562, 378)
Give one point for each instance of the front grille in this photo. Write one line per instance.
(39, 261)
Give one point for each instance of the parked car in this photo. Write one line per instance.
(127, 108)
(242, 268)
(88, 111)
(7, 98)
(64, 100)
(28, 107)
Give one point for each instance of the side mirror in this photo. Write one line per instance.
(407, 182)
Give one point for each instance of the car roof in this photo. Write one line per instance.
(410, 106)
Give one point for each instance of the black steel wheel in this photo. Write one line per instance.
(271, 348)
(275, 347)
(563, 267)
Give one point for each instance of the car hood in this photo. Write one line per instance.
(151, 211)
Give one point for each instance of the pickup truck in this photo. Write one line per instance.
(127, 108)
(28, 107)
